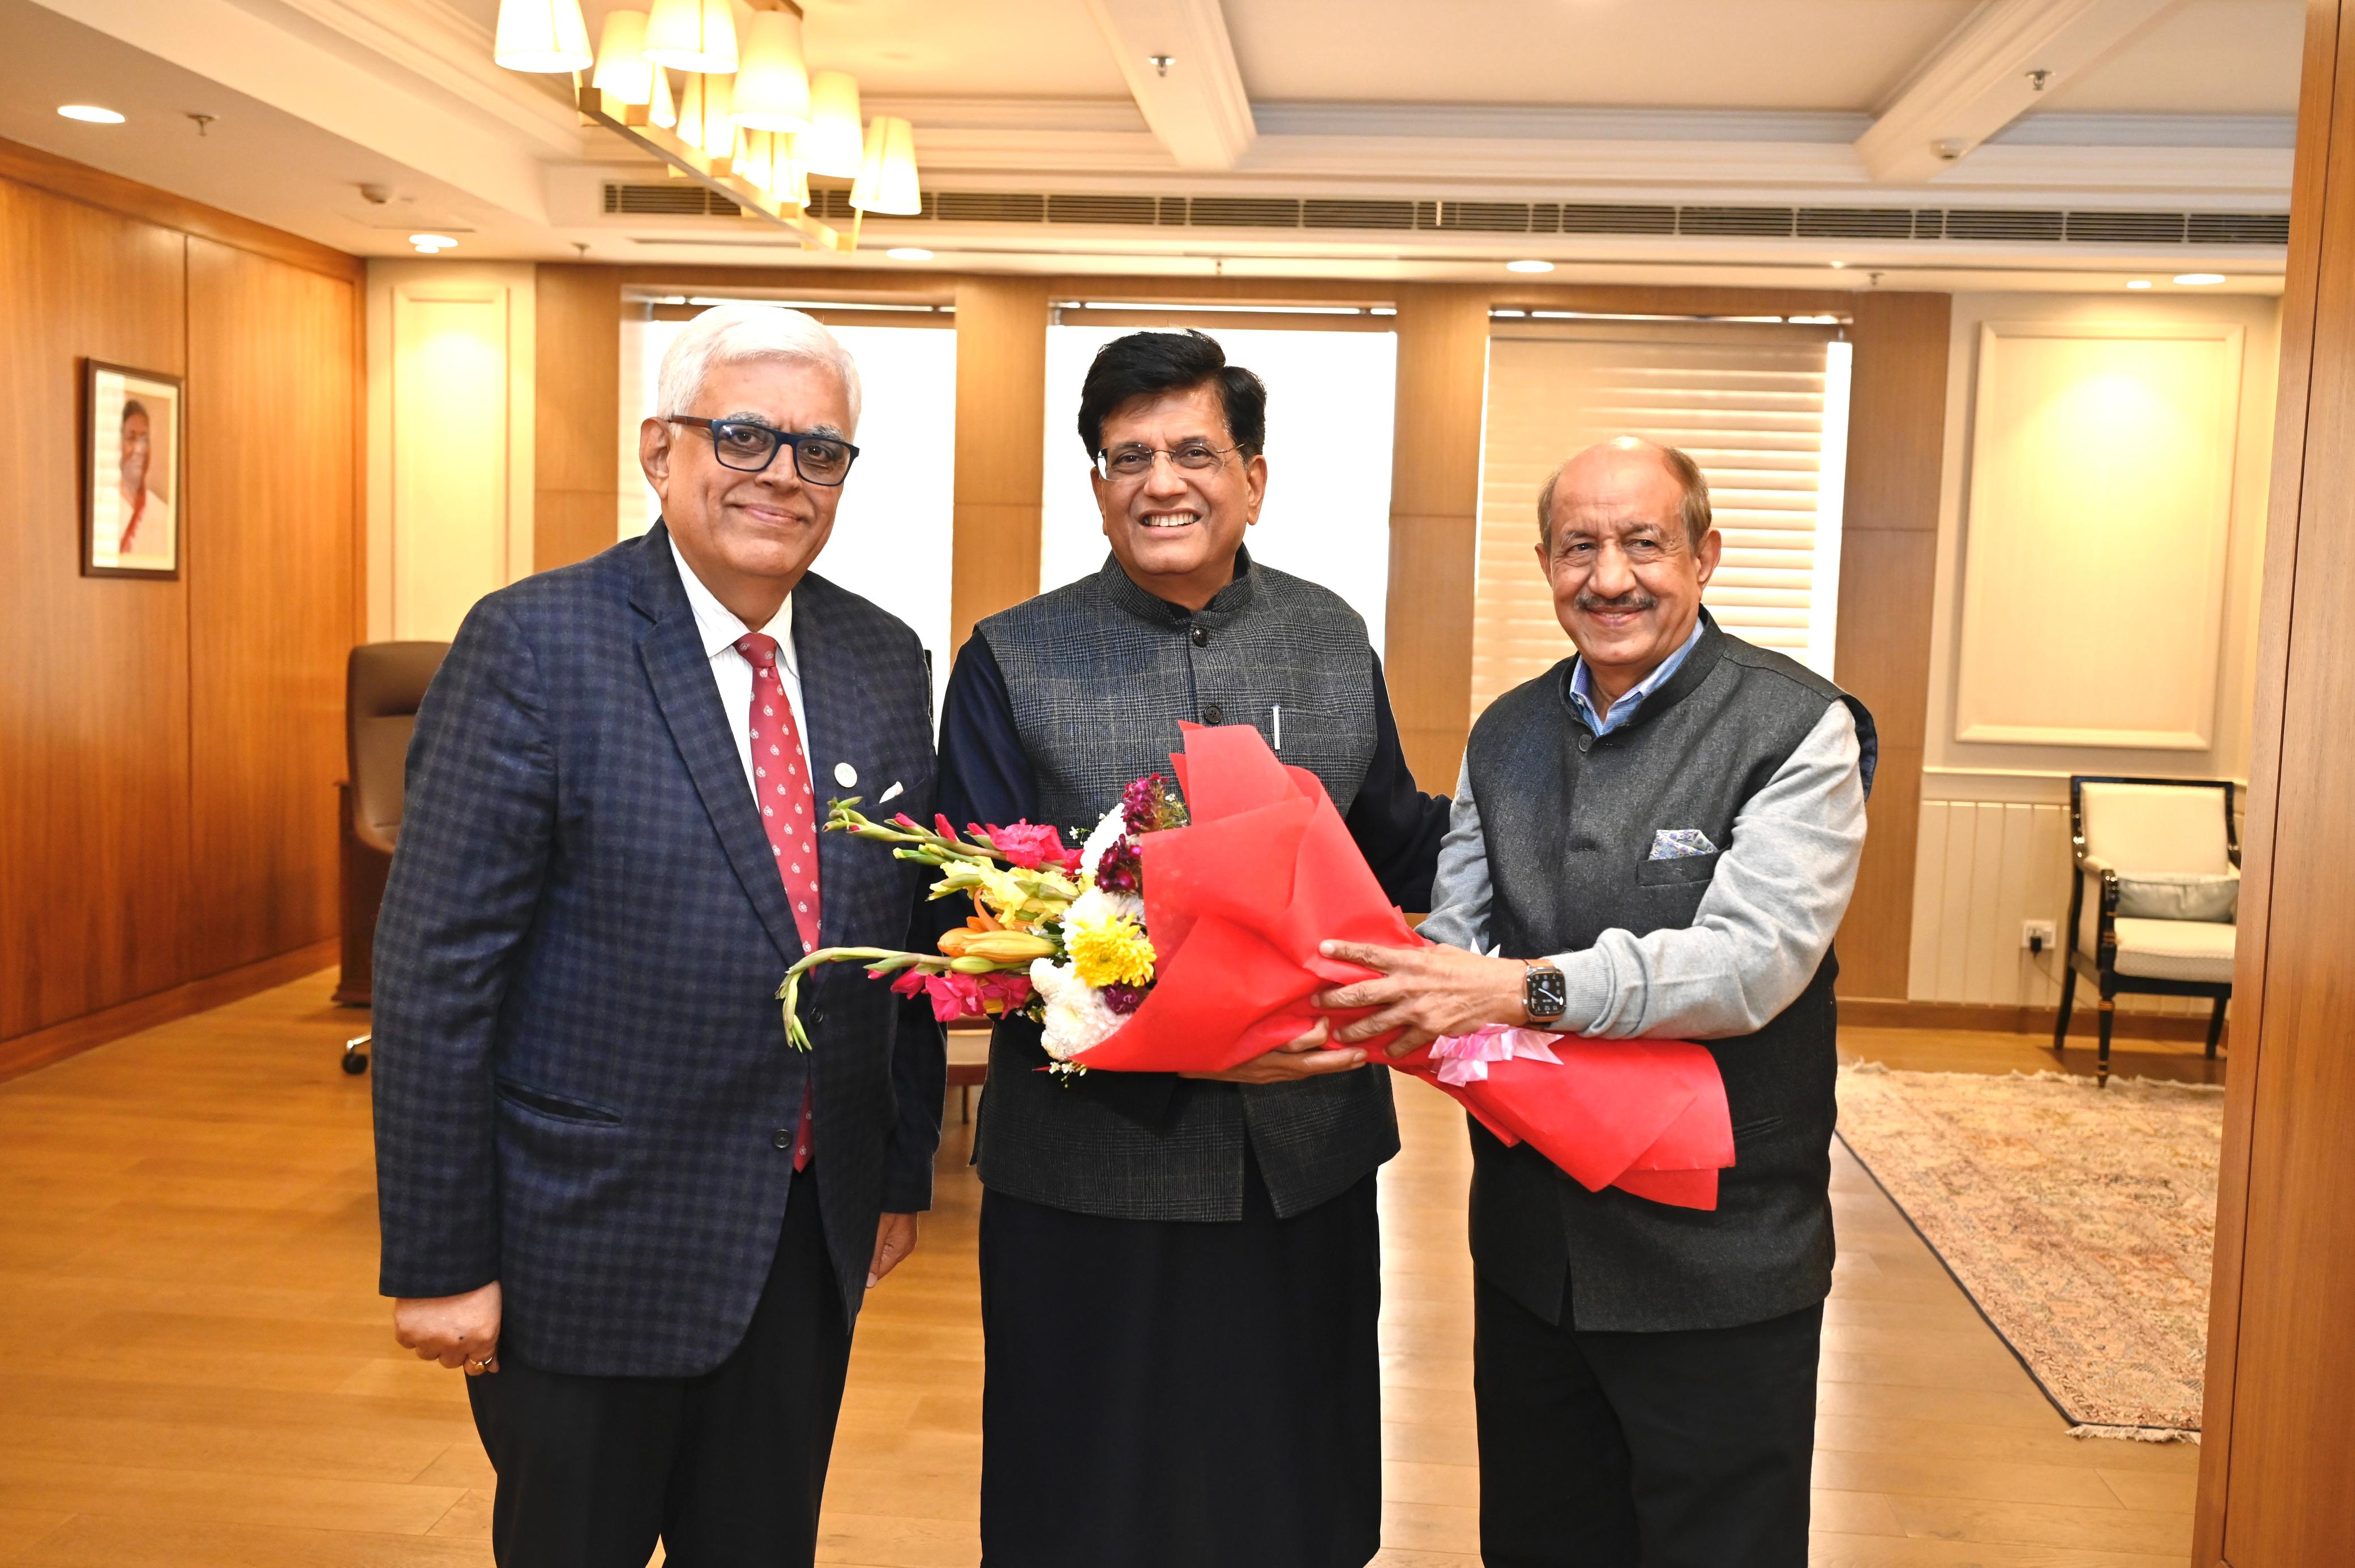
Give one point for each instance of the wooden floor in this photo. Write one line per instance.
(194, 1367)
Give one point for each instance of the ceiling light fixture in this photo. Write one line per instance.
(1529, 265)
(542, 37)
(692, 35)
(751, 122)
(908, 253)
(772, 86)
(623, 70)
(433, 244)
(2199, 279)
(2137, 282)
(89, 113)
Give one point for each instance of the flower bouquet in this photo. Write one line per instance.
(1184, 936)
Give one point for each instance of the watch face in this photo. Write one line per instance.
(1545, 994)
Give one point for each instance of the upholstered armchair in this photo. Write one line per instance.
(2153, 896)
(383, 684)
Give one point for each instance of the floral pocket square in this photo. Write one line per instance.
(1679, 843)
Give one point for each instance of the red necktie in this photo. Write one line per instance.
(781, 782)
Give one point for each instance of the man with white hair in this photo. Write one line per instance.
(610, 1189)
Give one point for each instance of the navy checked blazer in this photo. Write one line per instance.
(583, 1088)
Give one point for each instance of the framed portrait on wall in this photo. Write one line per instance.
(134, 432)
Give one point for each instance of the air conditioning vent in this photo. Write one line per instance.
(1481, 217)
(2006, 225)
(1592, 217)
(2240, 228)
(1141, 210)
(679, 198)
(1774, 222)
(1336, 213)
(1244, 212)
(1856, 223)
(2127, 227)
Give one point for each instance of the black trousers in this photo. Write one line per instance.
(726, 1469)
(1687, 1449)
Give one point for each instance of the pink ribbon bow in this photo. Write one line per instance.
(1465, 1057)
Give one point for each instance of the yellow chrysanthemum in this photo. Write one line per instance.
(1116, 952)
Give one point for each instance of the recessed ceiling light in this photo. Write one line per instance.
(2199, 279)
(431, 244)
(90, 111)
(1531, 265)
(908, 253)
(2138, 283)
(1838, 265)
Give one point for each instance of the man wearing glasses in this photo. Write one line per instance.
(610, 1190)
(1180, 1279)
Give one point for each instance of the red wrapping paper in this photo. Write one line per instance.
(1237, 902)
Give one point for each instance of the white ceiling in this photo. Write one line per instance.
(1672, 101)
(1662, 54)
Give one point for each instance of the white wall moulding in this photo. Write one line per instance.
(1990, 71)
(1179, 65)
(2096, 535)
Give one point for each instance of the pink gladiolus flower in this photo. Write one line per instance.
(1028, 846)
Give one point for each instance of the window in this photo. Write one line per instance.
(1329, 414)
(1763, 409)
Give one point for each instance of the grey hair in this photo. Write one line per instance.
(1693, 504)
(730, 334)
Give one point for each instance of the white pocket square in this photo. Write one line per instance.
(1679, 843)
(891, 793)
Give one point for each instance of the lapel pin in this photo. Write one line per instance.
(845, 775)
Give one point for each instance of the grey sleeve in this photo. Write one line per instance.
(1766, 923)
(1460, 892)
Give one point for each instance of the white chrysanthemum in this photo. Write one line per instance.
(1076, 1015)
(1107, 832)
(1096, 907)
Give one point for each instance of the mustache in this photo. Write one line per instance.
(1634, 598)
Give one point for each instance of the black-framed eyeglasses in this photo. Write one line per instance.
(1135, 461)
(750, 446)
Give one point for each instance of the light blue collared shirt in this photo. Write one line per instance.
(1582, 688)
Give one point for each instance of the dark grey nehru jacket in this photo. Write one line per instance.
(1570, 819)
(1091, 680)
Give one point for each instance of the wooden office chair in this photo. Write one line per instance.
(383, 684)
(2161, 859)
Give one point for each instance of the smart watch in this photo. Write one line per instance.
(1544, 993)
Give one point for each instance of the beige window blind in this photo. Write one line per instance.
(1763, 408)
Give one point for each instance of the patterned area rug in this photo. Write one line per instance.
(2082, 1220)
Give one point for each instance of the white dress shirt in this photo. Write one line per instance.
(733, 672)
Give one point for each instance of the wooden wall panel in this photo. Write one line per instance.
(94, 706)
(167, 749)
(2280, 1417)
(1887, 571)
(270, 459)
(1443, 374)
(577, 406)
(1001, 446)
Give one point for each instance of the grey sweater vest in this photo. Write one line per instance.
(1569, 820)
(1100, 673)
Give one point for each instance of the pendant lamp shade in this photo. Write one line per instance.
(624, 72)
(772, 86)
(663, 112)
(887, 182)
(541, 36)
(719, 129)
(691, 110)
(790, 182)
(834, 144)
(692, 35)
(754, 157)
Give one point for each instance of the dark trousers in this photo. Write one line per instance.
(726, 1469)
(1687, 1449)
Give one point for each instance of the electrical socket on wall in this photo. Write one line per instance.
(2036, 935)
